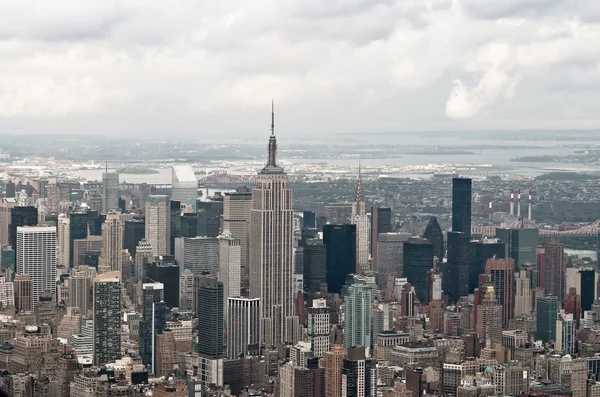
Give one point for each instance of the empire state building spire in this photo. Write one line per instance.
(272, 167)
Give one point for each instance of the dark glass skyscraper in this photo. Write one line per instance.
(189, 224)
(418, 260)
(210, 318)
(546, 309)
(135, 230)
(433, 232)
(153, 320)
(167, 273)
(309, 219)
(21, 216)
(341, 254)
(480, 252)
(315, 263)
(209, 217)
(175, 208)
(588, 288)
(80, 224)
(461, 205)
(456, 276)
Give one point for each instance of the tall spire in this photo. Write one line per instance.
(272, 161)
(359, 195)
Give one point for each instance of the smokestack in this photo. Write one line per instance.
(490, 207)
(529, 207)
(512, 203)
(519, 204)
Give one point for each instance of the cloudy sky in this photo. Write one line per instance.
(206, 68)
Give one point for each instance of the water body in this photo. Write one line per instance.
(582, 253)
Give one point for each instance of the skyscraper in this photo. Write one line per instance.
(341, 254)
(319, 327)
(63, 243)
(456, 276)
(333, 362)
(230, 256)
(554, 269)
(390, 253)
(522, 294)
(107, 318)
(189, 224)
(491, 316)
(381, 222)
(271, 250)
(153, 321)
(243, 327)
(502, 276)
(418, 261)
(21, 216)
(36, 257)
(110, 192)
(314, 265)
(166, 272)
(209, 217)
(566, 338)
(521, 243)
(357, 316)
(461, 205)
(111, 256)
(210, 318)
(175, 219)
(546, 310)
(236, 219)
(158, 224)
(433, 232)
(480, 251)
(199, 254)
(359, 374)
(23, 289)
(184, 182)
(82, 225)
(6, 206)
(361, 220)
(135, 230)
(186, 290)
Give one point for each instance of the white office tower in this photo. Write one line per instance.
(110, 192)
(63, 229)
(158, 224)
(143, 255)
(243, 327)
(111, 255)
(236, 219)
(199, 254)
(361, 220)
(319, 328)
(186, 290)
(184, 182)
(271, 250)
(7, 293)
(229, 267)
(357, 316)
(36, 257)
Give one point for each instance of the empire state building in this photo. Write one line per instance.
(271, 251)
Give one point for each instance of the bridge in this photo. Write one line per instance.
(586, 230)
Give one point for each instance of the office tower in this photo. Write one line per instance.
(210, 318)
(435, 285)
(243, 327)
(184, 182)
(209, 217)
(333, 363)
(491, 316)
(546, 310)
(82, 226)
(186, 290)
(408, 299)
(189, 225)
(166, 353)
(433, 232)
(199, 254)
(10, 189)
(456, 276)
(390, 251)
(361, 220)
(23, 290)
(63, 243)
(153, 321)
(480, 251)
(566, 334)
(36, 257)
(502, 276)
(230, 257)
(461, 205)
(271, 250)
(381, 222)
(522, 294)
(521, 244)
(93, 199)
(135, 231)
(143, 256)
(338, 213)
(309, 219)
(21, 216)
(6, 206)
(166, 273)
(158, 224)
(111, 257)
(584, 282)
(418, 261)
(107, 318)
(175, 216)
(110, 192)
(554, 269)
(572, 304)
(7, 293)
(359, 374)
(357, 316)
(79, 293)
(319, 327)
(315, 265)
(340, 241)
(236, 219)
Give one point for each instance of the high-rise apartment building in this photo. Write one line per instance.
(359, 374)
(236, 219)
(166, 353)
(36, 257)
(319, 327)
(243, 327)
(158, 224)
(361, 220)
(357, 316)
(111, 255)
(184, 182)
(566, 334)
(271, 251)
(333, 362)
(461, 205)
(554, 269)
(572, 304)
(502, 277)
(230, 272)
(110, 192)
(491, 317)
(79, 293)
(186, 290)
(341, 254)
(107, 318)
(546, 311)
(418, 261)
(23, 290)
(433, 232)
(210, 213)
(199, 254)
